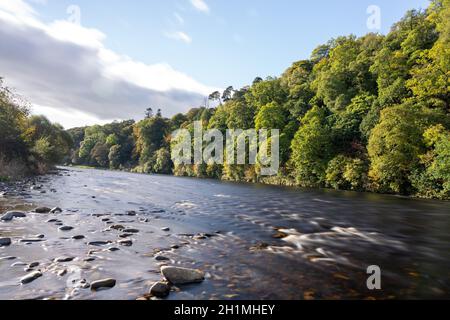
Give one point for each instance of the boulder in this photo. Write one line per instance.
(177, 275)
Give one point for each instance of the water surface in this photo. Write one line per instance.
(262, 242)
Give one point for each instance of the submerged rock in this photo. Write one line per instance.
(5, 241)
(8, 216)
(125, 242)
(161, 258)
(103, 284)
(66, 228)
(165, 229)
(160, 289)
(42, 210)
(177, 275)
(64, 259)
(31, 277)
(79, 237)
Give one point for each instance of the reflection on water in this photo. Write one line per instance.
(261, 242)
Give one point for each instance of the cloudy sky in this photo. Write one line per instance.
(82, 62)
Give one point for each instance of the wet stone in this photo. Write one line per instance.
(64, 259)
(42, 210)
(56, 210)
(66, 228)
(78, 237)
(103, 284)
(160, 289)
(177, 275)
(31, 277)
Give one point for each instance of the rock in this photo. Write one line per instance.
(40, 236)
(117, 227)
(99, 243)
(31, 277)
(8, 216)
(103, 284)
(131, 213)
(64, 259)
(113, 249)
(89, 259)
(79, 237)
(62, 272)
(160, 289)
(33, 265)
(125, 242)
(177, 275)
(53, 220)
(131, 230)
(165, 229)
(56, 210)
(125, 235)
(161, 258)
(42, 210)
(30, 240)
(175, 246)
(5, 242)
(9, 258)
(66, 228)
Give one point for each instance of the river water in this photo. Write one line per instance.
(252, 241)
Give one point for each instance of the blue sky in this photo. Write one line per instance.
(124, 56)
(235, 40)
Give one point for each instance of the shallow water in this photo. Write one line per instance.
(263, 242)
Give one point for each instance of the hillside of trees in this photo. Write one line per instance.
(366, 114)
(28, 144)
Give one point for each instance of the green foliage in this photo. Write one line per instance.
(346, 173)
(311, 148)
(396, 144)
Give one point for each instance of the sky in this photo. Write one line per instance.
(81, 62)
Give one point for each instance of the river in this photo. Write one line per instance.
(252, 241)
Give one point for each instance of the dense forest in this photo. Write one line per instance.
(28, 144)
(367, 113)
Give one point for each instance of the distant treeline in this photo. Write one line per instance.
(28, 144)
(367, 114)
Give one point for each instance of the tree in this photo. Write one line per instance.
(228, 94)
(311, 148)
(215, 96)
(149, 113)
(396, 144)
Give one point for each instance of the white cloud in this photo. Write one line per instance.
(65, 69)
(179, 35)
(200, 5)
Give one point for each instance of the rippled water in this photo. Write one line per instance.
(262, 242)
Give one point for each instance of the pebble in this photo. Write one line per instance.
(177, 275)
(8, 216)
(33, 265)
(5, 241)
(103, 284)
(66, 228)
(79, 237)
(62, 273)
(42, 210)
(160, 289)
(165, 229)
(31, 277)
